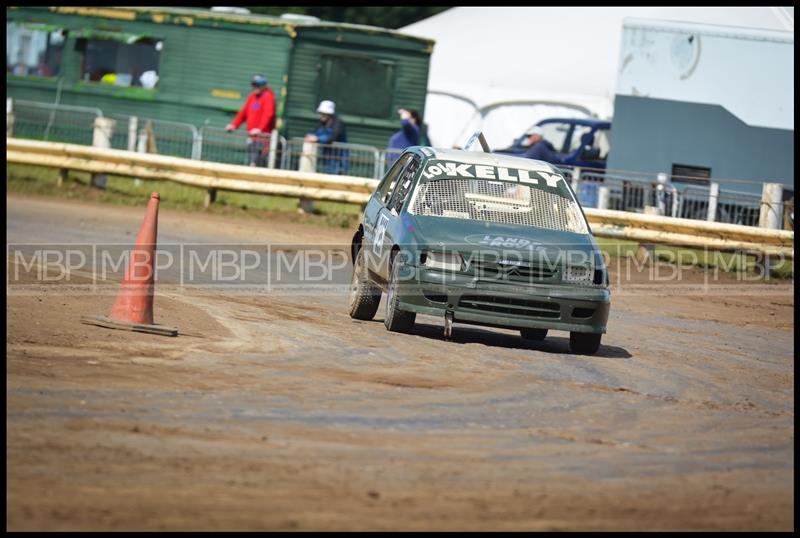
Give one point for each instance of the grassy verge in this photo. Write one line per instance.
(39, 180)
(29, 179)
(703, 259)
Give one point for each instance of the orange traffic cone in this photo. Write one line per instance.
(133, 309)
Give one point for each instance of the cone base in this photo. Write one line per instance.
(103, 321)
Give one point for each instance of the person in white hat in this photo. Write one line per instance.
(331, 129)
(327, 107)
(540, 148)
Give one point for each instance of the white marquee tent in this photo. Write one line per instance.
(491, 64)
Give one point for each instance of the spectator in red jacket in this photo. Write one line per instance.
(259, 111)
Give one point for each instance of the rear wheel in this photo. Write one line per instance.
(364, 295)
(533, 334)
(584, 343)
(397, 320)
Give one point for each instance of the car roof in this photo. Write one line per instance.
(489, 159)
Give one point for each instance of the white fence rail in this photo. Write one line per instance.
(210, 176)
(357, 190)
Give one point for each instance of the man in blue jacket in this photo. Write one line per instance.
(331, 129)
(540, 148)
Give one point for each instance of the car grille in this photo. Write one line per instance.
(510, 305)
(517, 273)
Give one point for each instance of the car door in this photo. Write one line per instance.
(389, 227)
(372, 212)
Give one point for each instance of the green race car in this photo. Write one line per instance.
(479, 238)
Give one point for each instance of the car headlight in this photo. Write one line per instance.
(446, 261)
(583, 276)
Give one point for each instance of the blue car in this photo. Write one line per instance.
(577, 141)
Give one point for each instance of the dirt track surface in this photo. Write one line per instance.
(279, 412)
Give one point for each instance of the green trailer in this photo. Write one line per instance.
(194, 66)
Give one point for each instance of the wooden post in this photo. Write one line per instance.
(306, 205)
(211, 196)
(788, 214)
(646, 254)
(771, 206)
(308, 163)
(62, 176)
(308, 158)
(151, 137)
(103, 129)
(713, 197)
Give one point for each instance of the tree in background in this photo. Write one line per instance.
(384, 16)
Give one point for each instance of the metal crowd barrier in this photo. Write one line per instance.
(337, 158)
(732, 207)
(53, 123)
(237, 147)
(595, 188)
(633, 192)
(149, 135)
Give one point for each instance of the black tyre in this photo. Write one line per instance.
(533, 334)
(397, 320)
(584, 343)
(364, 295)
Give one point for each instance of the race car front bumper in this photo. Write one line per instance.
(497, 303)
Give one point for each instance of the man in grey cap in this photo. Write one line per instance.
(540, 148)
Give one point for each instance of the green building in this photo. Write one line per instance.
(195, 65)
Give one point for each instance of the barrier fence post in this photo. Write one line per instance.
(603, 195)
(133, 128)
(771, 215)
(273, 148)
(661, 193)
(211, 196)
(713, 198)
(101, 138)
(9, 116)
(381, 166)
(675, 202)
(308, 163)
(308, 157)
(576, 180)
(197, 143)
(141, 142)
(141, 139)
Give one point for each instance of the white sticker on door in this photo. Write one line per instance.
(380, 231)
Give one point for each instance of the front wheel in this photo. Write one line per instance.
(364, 295)
(584, 343)
(397, 320)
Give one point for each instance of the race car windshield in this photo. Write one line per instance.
(536, 200)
